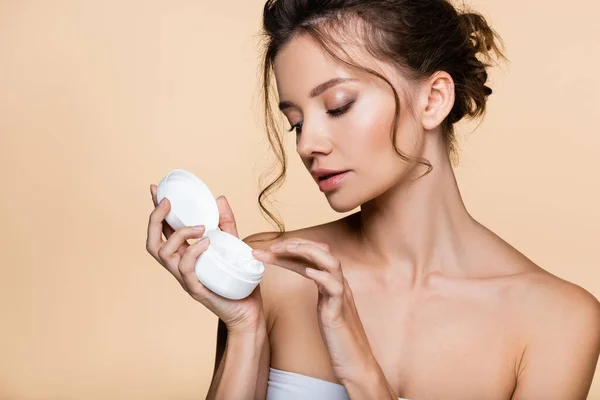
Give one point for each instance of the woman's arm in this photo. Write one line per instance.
(243, 359)
(241, 364)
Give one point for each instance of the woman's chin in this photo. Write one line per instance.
(341, 203)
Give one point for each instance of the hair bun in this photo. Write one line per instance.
(481, 44)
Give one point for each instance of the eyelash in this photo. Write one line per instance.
(338, 112)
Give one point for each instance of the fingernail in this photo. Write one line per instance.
(292, 246)
(203, 240)
(257, 252)
(198, 227)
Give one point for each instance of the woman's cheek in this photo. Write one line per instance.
(372, 126)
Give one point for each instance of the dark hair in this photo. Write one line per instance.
(419, 37)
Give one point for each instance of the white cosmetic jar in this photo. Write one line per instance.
(227, 266)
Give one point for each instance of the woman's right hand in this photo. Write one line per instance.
(179, 258)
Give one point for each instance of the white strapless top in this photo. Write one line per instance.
(284, 385)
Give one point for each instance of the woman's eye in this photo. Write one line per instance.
(334, 113)
(297, 127)
(339, 111)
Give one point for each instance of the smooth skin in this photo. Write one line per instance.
(448, 308)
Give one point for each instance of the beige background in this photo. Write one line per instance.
(98, 99)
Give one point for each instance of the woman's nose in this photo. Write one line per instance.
(312, 139)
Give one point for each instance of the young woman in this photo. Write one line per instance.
(411, 296)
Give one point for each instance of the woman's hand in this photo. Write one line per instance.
(339, 322)
(179, 258)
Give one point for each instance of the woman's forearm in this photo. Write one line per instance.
(369, 383)
(237, 374)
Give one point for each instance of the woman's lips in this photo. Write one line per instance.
(333, 182)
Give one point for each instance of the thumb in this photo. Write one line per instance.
(226, 218)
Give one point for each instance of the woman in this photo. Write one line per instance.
(411, 296)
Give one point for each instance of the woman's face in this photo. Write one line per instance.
(346, 124)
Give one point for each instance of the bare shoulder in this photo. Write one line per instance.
(560, 319)
(557, 300)
(541, 298)
(280, 285)
(263, 240)
(319, 233)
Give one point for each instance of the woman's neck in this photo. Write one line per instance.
(419, 227)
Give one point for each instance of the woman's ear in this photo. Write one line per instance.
(436, 98)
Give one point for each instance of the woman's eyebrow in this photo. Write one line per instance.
(319, 89)
(326, 85)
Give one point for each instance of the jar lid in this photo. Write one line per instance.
(192, 202)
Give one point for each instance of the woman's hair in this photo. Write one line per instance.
(419, 37)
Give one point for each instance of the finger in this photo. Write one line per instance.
(166, 229)
(283, 243)
(293, 264)
(315, 254)
(186, 268)
(327, 283)
(155, 225)
(153, 194)
(169, 251)
(226, 218)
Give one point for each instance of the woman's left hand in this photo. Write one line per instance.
(341, 328)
